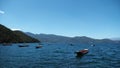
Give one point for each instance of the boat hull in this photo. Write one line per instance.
(38, 46)
(23, 45)
(81, 53)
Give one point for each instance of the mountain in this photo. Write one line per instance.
(24, 37)
(9, 36)
(116, 39)
(51, 38)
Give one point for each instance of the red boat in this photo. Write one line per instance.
(81, 52)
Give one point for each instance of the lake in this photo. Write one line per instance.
(59, 56)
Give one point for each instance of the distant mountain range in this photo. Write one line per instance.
(116, 39)
(51, 38)
(9, 36)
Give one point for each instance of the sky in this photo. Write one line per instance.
(92, 18)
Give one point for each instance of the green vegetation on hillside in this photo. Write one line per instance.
(9, 36)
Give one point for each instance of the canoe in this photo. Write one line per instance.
(81, 52)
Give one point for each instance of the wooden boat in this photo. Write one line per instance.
(81, 53)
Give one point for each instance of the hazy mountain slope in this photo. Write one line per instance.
(62, 39)
(116, 39)
(49, 38)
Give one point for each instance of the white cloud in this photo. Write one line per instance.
(15, 29)
(2, 12)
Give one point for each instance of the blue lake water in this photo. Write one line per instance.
(59, 56)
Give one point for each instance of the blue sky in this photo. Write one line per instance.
(92, 18)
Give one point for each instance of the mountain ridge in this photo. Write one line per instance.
(63, 39)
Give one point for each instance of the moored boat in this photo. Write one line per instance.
(93, 45)
(39, 46)
(23, 45)
(71, 45)
(81, 52)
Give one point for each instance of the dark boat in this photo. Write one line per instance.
(71, 45)
(81, 53)
(93, 45)
(39, 46)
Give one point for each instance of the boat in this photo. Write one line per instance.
(71, 45)
(81, 52)
(93, 45)
(23, 45)
(39, 46)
